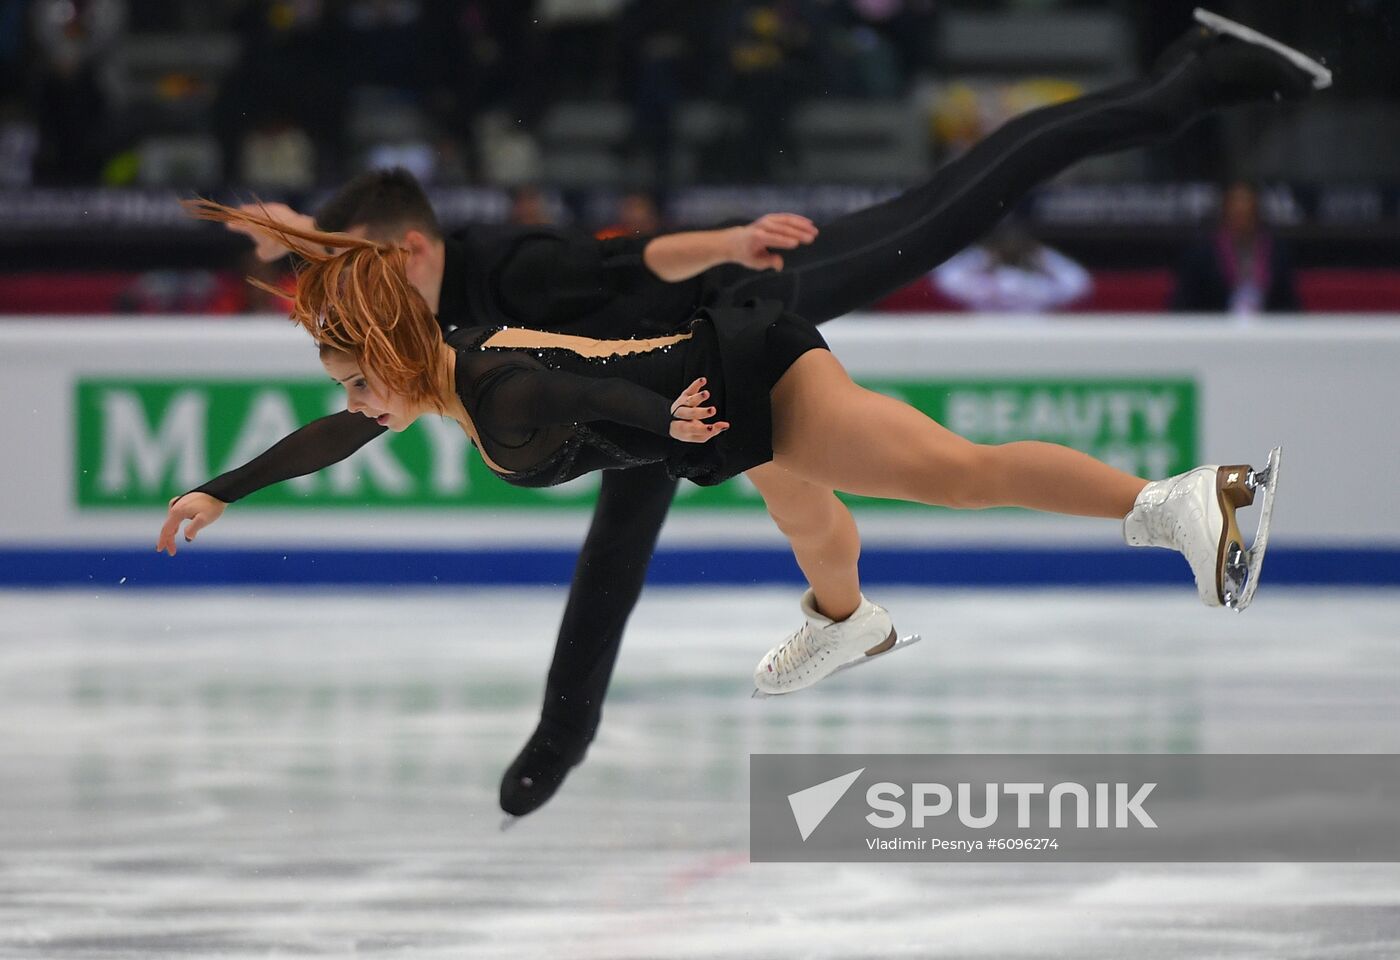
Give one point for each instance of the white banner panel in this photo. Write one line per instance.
(104, 419)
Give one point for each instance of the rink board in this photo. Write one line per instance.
(107, 419)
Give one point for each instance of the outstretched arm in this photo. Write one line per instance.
(680, 256)
(315, 446)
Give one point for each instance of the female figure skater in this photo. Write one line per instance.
(743, 389)
(561, 281)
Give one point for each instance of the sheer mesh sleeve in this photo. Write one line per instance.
(314, 447)
(516, 400)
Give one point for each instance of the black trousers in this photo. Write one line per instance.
(855, 260)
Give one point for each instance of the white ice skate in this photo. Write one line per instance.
(1321, 76)
(1194, 513)
(822, 647)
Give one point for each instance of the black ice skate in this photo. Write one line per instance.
(1194, 513)
(539, 770)
(1238, 65)
(1319, 75)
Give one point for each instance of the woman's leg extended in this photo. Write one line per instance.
(831, 432)
(823, 535)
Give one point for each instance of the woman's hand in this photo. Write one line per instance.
(199, 509)
(753, 245)
(688, 413)
(268, 247)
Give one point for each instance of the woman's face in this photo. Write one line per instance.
(367, 396)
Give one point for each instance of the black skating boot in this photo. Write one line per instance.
(1236, 65)
(540, 768)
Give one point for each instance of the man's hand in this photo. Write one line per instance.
(753, 245)
(679, 256)
(689, 413)
(267, 246)
(199, 509)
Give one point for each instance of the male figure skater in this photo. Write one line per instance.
(564, 280)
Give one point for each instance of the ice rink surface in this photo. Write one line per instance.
(270, 774)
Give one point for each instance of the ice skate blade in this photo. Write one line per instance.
(899, 644)
(509, 821)
(1265, 482)
(1321, 76)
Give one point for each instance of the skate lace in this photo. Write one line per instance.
(794, 652)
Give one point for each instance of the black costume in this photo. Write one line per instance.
(564, 280)
(546, 413)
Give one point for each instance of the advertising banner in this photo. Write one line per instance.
(107, 420)
(140, 441)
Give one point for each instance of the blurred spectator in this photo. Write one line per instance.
(1241, 269)
(485, 59)
(387, 42)
(579, 42)
(278, 154)
(506, 153)
(770, 44)
(661, 44)
(290, 75)
(13, 45)
(19, 144)
(884, 43)
(967, 111)
(529, 207)
(74, 84)
(1012, 272)
(637, 216)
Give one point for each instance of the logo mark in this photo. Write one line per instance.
(810, 806)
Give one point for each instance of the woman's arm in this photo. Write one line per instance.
(317, 445)
(525, 399)
(311, 448)
(680, 256)
(199, 509)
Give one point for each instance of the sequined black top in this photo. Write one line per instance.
(546, 278)
(548, 408)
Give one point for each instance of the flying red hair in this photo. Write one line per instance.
(354, 296)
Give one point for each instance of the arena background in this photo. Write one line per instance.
(368, 645)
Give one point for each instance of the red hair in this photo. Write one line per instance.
(354, 296)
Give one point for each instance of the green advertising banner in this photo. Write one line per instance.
(141, 441)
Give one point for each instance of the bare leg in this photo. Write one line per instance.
(833, 433)
(822, 533)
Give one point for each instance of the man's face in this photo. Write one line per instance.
(366, 396)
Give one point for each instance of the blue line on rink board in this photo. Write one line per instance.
(994, 567)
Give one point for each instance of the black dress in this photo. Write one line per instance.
(548, 278)
(547, 413)
(549, 408)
